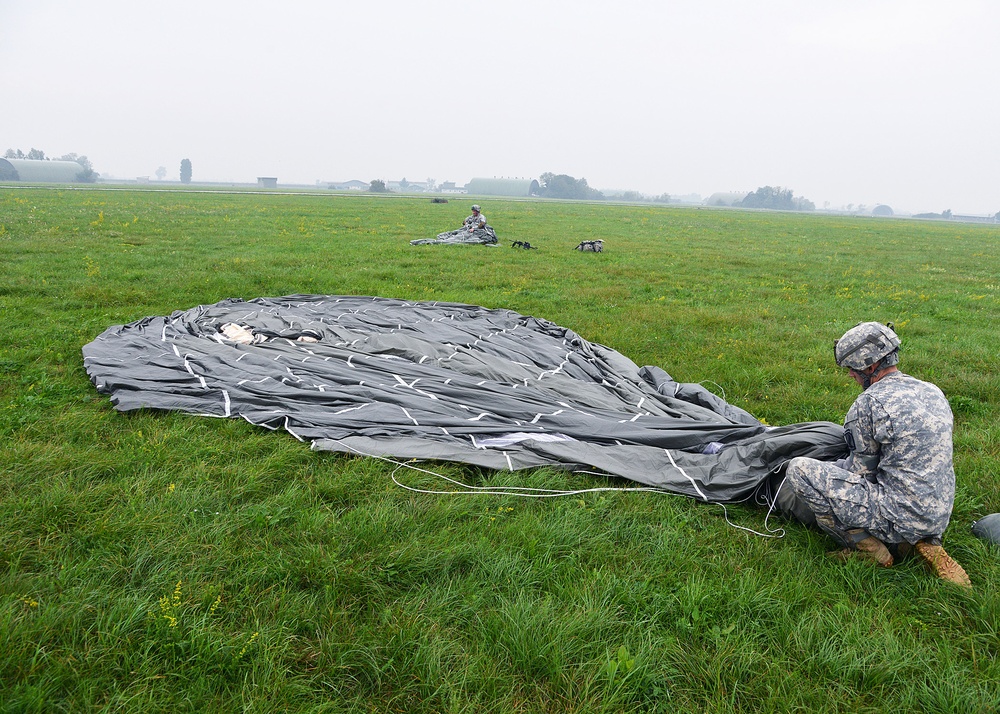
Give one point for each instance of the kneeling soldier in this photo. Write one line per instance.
(897, 486)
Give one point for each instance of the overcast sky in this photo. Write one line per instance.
(844, 102)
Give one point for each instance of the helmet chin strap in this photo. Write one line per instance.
(866, 379)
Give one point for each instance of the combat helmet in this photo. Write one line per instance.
(475, 207)
(865, 344)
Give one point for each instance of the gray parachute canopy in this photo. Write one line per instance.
(430, 380)
(461, 236)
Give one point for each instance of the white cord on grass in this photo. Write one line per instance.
(523, 491)
(709, 381)
(771, 533)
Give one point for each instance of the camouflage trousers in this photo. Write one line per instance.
(835, 500)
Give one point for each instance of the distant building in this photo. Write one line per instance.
(502, 187)
(405, 186)
(40, 171)
(353, 185)
(949, 216)
(267, 181)
(974, 219)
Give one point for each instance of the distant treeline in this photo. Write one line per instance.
(777, 198)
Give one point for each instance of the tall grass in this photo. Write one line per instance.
(161, 562)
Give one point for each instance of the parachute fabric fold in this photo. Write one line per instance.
(461, 236)
(431, 380)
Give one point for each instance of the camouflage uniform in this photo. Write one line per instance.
(476, 228)
(898, 483)
(475, 221)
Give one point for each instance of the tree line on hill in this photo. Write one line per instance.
(568, 187)
(778, 199)
(562, 186)
(87, 175)
(771, 197)
(552, 185)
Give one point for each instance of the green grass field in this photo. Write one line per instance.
(158, 562)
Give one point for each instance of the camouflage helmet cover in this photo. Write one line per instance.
(865, 344)
(475, 207)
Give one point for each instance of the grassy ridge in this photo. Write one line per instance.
(162, 562)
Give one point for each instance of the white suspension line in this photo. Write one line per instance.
(530, 492)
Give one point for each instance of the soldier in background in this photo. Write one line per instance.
(897, 487)
(474, 230)
(476, 220)
(478, 228)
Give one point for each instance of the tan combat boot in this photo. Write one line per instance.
(942, 564)
(870, 548)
